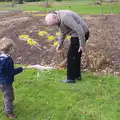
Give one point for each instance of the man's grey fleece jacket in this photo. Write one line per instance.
(71, 24)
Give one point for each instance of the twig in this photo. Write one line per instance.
(47, 51)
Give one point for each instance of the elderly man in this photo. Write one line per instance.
(71, 24)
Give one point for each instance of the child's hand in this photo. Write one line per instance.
(25, 67)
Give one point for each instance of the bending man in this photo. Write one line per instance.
(71, 24)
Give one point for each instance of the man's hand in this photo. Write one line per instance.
(81, 49)
(58, 49)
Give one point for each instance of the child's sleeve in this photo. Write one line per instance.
(10, 70)
(18, 70)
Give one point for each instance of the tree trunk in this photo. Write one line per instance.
(20, 2)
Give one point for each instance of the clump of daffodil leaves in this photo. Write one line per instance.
(29, 40)
(51, 37)
(32, 42)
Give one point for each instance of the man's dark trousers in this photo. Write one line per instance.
(74, 60)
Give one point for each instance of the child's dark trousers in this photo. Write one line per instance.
(8, 94)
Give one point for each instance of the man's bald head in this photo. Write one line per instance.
(51, 19)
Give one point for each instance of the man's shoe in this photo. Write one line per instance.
(11, 116)
(78, 78)
(68, 81)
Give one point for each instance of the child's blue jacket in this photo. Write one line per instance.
(7, 70)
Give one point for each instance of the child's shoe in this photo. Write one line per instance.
(11, 116)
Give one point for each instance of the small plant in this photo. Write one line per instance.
(31, 42)
(51, 38)
(68, 37)
(57, 33)
(55, 43)
(42, 33)
(24, 36)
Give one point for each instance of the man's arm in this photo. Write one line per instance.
(70, 22)
(61, 39)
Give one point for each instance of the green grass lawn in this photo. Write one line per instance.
(79, 7)
(46, 98)
(76, 7)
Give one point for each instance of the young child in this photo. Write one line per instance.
(7, 73)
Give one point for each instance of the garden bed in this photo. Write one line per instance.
(102, 47)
